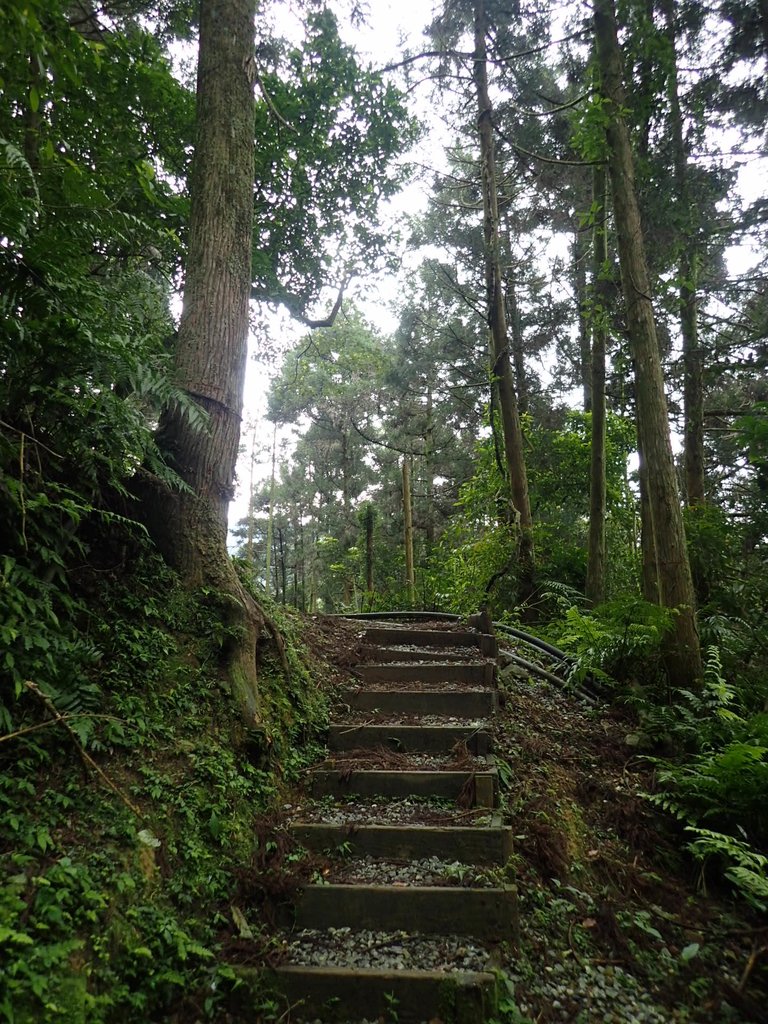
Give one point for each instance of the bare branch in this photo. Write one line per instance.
(330, 319)
(545, 159)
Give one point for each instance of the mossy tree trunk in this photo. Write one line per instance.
(191, 528)
(673, 568)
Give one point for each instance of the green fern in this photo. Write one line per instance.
(745, 867)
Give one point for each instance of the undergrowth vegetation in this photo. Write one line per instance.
(130, 792)
(709, 746)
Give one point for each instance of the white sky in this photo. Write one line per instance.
(393, 25)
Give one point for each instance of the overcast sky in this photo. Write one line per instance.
(392, 26)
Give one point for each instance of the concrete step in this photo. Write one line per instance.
(406, 738)
(481, 673)
(387, 635)
(490, 914)
(334, 994)
(454, 703)
(479, 788)
(481, 844)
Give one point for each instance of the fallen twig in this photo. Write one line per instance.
(85, 756)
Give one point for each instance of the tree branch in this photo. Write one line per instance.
(545, 159)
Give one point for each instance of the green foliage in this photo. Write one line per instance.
(558, 462)
(478, 544)
(621, 639)
(744, 867)
(721, 779)
(321, 174)
(507, 1011)
(90, 226)
(39, 643)
(724, 786)
(752, 428)
(105, 916)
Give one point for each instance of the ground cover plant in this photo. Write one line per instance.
(129, 801)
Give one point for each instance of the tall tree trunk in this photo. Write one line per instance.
(518, 346)
(597, 505)
(369, 520)
(648, 571)
(429, 446)
(283, 567)
(271, 515)
(683, 654)
(502, 370)
(580, 250)
(687, 272)
(191, 528)
(410, 576)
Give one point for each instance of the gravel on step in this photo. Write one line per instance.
(385, 760)
(429, 871)
(398, 718)
(392, 951)
(418, 684)
(387, 812)
(466, 652)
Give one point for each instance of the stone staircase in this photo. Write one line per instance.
(426, 698)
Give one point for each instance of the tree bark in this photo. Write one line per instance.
(502, 369)
(595, 587)
(271, 516)
(369, 521)
(648, 571)
(683, 655)
(429, 471)
(580, 250)
(518, 346)
(687, 272)
(410, 577)
(191, 528)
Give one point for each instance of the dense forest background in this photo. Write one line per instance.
(569, 424)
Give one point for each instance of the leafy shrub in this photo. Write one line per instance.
(619, 640)
(720, 781)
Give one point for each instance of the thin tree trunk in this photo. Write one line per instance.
(502, 370)
(429, 444)
(283, 568)
(271, 516)
(369, 523)
(191, 528)
(410, 577)
(580, 251)
(683, 654)
(518, 345)
(687, 272)
(249, 535)
(595, 587)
